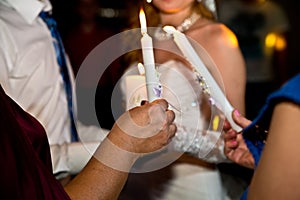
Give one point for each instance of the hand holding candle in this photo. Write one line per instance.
(206, 78)
(152, 81)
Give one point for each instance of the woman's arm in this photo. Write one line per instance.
(278, 175)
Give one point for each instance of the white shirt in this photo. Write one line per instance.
(30, 75)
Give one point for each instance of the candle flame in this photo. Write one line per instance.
(143, 21)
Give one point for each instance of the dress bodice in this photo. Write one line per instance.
(184, 94)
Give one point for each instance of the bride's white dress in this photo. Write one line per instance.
(194, 134)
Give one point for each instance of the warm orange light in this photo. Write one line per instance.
(275, 41)
(280, 43)
(261, 1)
(143, 21)
(270, 40)
(231, 39)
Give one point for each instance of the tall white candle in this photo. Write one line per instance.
(215, 91)
(152, 81)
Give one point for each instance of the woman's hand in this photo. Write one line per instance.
(235, 147)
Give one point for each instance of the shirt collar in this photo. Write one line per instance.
(29, 9)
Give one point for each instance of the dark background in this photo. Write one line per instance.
(63, 11)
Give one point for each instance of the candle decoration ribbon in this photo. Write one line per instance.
(206, 80)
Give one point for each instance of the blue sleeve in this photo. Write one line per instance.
(289, 92)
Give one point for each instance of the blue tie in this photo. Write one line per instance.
(61, 59)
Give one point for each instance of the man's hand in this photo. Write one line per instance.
(144, 129)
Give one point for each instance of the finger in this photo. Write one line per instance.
(158, 114)
(240, 120)
(231, 144)
(231, 134)
(172, 130)
(166, 134)
(226, 125)
(170, 116)
(162, 102)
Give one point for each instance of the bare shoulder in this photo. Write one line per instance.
(213, 33)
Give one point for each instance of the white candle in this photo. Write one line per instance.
(135, 90)
(152, 81)
(141, 69)
(215, 91)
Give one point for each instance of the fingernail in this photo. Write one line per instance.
(237, 113)
(234, 142)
